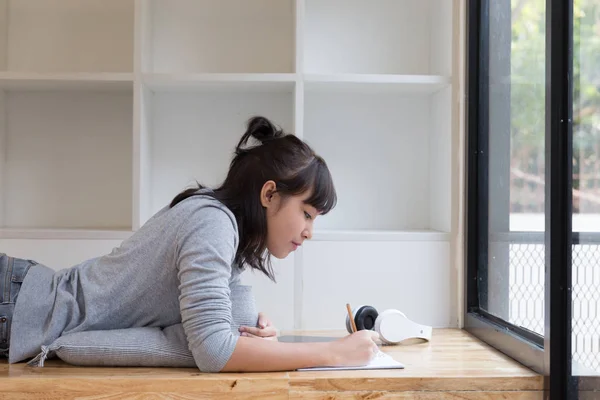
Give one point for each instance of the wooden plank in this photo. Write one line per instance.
(56, 376)
(398, 383)
(383, 395)
(140, 396)
(520, 395)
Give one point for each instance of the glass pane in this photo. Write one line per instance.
(516, 178)
(586, 189)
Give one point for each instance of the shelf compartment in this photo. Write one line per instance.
(68, 160)
(192, 137)
(389, 155)
(64, 36)
(225, 36)
(386, 37)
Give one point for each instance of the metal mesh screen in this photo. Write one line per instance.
(526, 287)
(526, 296)
(586, 305)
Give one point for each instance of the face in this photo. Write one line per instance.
(289, 222)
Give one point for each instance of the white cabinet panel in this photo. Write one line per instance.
(413, 277)
(57, 253)
(276, 300)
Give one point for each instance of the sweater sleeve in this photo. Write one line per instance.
(206, 246)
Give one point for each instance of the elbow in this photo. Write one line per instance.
(207, 367)
(212, 354)
(209, 362)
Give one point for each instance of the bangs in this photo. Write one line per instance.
(323, 196)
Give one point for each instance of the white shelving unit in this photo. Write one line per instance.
(66, 118)
(109, 109)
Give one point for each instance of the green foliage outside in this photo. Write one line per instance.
(528, 63)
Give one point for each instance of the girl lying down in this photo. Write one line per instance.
(182, 265)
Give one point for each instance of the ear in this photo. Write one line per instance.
(268, 194)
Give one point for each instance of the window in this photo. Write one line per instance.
(533, 186)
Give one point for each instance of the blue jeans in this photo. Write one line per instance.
(12, 274)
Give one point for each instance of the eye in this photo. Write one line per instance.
(307, 215)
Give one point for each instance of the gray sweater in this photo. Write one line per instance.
(177, 268)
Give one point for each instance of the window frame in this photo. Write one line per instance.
(550, 354)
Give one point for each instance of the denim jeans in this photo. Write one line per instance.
(12, 274)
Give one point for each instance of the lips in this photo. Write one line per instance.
(296, 245)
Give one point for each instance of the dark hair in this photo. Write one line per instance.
(290, 163)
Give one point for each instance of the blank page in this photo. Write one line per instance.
(380, 361)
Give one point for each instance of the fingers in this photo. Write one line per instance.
(266, 332)
(263, 321)
(246, 334)
(369, 333)
(374, 335)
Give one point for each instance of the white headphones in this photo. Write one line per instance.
(392, 325)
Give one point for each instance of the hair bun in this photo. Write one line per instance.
(261, 129)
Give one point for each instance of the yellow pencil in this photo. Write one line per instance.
(351, 318)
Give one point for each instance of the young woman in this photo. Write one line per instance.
(182, 264)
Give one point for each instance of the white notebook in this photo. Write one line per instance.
(380, 361)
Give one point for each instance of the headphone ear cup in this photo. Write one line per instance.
(391, 326)
(365, 318)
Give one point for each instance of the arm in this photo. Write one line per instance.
(206, 245)
(266, 355)
(206, 248)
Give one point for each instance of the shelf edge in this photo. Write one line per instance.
(377, 78)
(394, 236)
(62, 234)
(71, 77)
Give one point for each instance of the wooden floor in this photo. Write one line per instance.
(454, 365)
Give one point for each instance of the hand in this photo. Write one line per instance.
(263, 330)
(356, 349)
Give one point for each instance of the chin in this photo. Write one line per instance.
(280, 255)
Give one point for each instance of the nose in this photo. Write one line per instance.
(307, 234)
